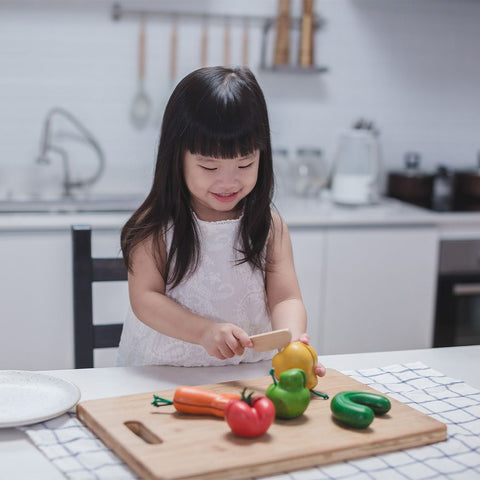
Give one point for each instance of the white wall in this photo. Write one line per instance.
(412, 66)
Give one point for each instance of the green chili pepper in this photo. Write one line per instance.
(358, 409)
(290, 395)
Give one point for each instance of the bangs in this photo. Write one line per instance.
(225, 136)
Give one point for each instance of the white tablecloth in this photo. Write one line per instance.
(79, 455)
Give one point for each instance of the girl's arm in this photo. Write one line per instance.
(283, 292)
(146, 287)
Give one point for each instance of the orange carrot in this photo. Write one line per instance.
(197, 401)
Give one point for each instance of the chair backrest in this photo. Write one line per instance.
(86, 271)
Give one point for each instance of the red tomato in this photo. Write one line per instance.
(251, 416)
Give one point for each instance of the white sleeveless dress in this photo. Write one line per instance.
(219, 290)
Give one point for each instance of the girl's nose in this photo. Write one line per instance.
(229, 175)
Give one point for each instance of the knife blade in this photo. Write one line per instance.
(271, 340)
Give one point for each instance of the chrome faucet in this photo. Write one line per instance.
(47, 146)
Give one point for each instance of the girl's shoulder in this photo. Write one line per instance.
(278, 226)
(277, 220)
(153, 244)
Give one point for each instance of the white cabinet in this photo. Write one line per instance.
(380, 289)
(308, 252)
(36, 301)
(365, 289)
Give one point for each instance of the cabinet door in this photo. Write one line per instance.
(36, 300)
(380, 290)
(308, 251)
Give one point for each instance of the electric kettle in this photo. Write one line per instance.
(356, 168)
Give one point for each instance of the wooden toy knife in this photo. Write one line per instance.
(271, 340)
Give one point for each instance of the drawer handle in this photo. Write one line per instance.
(464, 289)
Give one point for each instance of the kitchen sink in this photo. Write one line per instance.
(85, 203)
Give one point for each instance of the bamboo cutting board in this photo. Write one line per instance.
(160, 443)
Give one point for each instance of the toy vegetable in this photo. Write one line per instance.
(298, 355)
(358, 409)
(197, 401)
(250, 416)
(290, 395)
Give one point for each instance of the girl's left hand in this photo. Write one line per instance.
(320, 370)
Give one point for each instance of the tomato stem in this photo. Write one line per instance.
(248, 398)
(160, 402)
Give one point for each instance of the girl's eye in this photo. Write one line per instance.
(208, 168)
(246, 166)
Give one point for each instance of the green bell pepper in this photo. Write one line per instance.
(290, 394)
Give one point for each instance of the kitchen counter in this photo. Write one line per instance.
(297, 212)
(19, 458)
(60, 221)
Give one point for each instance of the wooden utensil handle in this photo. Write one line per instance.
(204, 45)
(226, 45)
(282, 41)
(306, 39)
(141, 49)
(173, 51)
(245, 44)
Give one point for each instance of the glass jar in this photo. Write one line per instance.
(281, 168)
(308, 172)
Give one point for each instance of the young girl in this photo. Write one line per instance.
(209, 262)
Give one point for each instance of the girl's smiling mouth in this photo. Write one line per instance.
(225, 197)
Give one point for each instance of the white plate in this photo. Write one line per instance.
(30, 397)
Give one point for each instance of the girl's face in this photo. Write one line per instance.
(217, 185)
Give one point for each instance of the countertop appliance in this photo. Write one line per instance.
(446, 190)
(356, 168)
(457, 315)
(466, 189)
(411, 184)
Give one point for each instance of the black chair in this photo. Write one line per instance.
(86, 271)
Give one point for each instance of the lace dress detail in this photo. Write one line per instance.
(218, 289)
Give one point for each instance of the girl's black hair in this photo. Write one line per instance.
(217, 112)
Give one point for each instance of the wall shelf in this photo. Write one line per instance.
(267, 24)
(119, 13)
(293, 69)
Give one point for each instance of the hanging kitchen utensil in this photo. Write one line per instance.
(306, 36)
(173, 55)
(282, 40)
(141, 106)
(172, 72)
(204, 44)
(245, 43)
(227, 40)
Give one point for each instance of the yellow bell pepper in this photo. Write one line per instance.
(297, 355)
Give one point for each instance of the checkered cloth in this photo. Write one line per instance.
(79, 455)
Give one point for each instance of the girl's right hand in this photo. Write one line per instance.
(320, 370)
(225, 340)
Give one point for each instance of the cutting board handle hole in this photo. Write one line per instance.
(141, 431)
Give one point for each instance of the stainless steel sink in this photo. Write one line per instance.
(87, 203)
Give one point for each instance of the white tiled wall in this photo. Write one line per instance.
(412, 66)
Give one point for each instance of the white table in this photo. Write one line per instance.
(19, 458)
